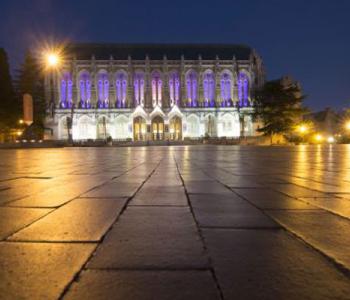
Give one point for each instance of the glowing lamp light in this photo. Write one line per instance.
(318, 138)
(303, 128)
(347, 125)
(52, 59)
(21, 121)
(330, 139)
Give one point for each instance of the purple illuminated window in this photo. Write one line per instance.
(103, 90)
(121, 87)
(174, 88)
(85, 90)
(156, 89)
(66, 91)
(226, 88)
(209, 88)
(139, 88)
(243, 89)
(191, 87)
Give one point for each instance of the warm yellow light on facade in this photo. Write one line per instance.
(19, 133)
(21, 121)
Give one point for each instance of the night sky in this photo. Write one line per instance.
(307, 39)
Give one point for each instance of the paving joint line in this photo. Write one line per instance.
(210, 262)
(76, 276)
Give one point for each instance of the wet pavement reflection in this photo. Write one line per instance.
(180, 222)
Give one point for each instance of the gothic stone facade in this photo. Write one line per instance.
(153, 92)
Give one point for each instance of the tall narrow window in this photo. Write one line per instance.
(209, 88)
(85, 90)
(226, 89)
(121, 87)
(156, 89)
(139, 88)
(243, 89)
(174, 88)
(66, 90)
(191, 82)
(103, 90)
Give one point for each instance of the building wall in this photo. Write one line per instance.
(107, 110)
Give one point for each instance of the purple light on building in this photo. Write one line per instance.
(103, 90)
(191, 81)
(139, 89)
(85, 90)
(66, 91)
(174, 88)
(209, 89)
(243, 89)
(121, 86)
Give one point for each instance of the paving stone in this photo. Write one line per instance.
(295, 191)
(114, 190)
(339, 206)
(228, 211)
(146, 285)
(39, 270)
(270, 264)
(152, 238)
(83, 219)
(324, 231)
(206, 187)
(269, 199)
(13, 219)
(51, 198)
(161, 198)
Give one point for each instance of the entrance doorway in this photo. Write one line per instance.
(158, 128)
(175, 128)
(140, 129)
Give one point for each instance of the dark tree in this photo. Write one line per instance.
(279, 106)
(9, 109)
(30, 80)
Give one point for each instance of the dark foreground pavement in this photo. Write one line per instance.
(190, 222)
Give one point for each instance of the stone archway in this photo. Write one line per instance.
(140, 129)
(175, 128)
(157, 128)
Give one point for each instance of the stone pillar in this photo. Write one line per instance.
(94, 90)
(217, 82)
(165, 84)
(111, 88)
(147, 84)
(75, 81)
(183, 97)
(130, 96)
(200, 92)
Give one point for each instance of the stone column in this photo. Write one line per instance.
(130, 96)
(183, 97)
(165, 84)
(147, 84)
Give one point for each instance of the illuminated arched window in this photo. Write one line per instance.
(121, 85)
(209, 88)
(174, 88)
(226, 88)
(191, 88)
(139, 88)
(243, 89)
(103, 90)
(156, 89)
(66, 90)
(85, 90)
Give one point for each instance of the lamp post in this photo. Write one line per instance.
(52, 62)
